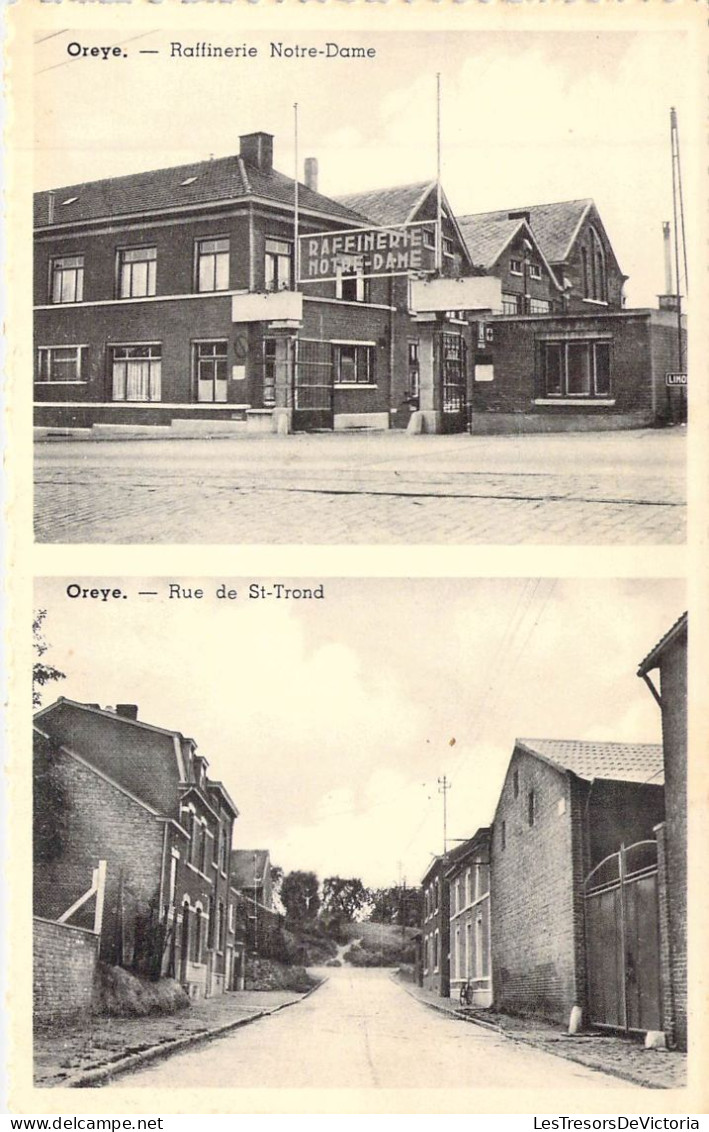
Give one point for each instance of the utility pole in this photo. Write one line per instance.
(443, 787)
(678, 216)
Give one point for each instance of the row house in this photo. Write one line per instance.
(109, 786)
(468, 880)
(434, 943)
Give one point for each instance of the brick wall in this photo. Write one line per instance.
(673, 688)
(534, 907)
(64, 969)
(102, 823)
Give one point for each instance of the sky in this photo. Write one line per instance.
(526, 118)
(330, 721)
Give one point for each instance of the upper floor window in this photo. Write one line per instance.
(136, 272)
(212, 265)
(448, 246)
(593, 269)
(530, 807)
(535, 271)
(66, 282)
(516, 266)
(351, 285)
(279, 265)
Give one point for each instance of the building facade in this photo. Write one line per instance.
(567, 809)
(669, 659)
(435, 930)
(468, 880)
(110, 787)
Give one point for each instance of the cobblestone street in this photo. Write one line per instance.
(611, 488)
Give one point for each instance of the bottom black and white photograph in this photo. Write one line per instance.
(359, 833)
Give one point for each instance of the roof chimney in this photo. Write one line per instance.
(127, 711)
(257, 149)
(311, 173)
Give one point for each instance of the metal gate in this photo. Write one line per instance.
(452, 367)
(622, 940)
(313, 395)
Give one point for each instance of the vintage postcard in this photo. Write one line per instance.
(358, 512)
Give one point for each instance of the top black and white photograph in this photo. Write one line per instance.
(375, 288)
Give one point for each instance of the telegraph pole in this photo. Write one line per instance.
(443, 787)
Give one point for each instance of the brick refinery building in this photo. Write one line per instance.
(222, 296)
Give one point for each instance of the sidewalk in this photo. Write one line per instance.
(609, 1053)
(91, 1052)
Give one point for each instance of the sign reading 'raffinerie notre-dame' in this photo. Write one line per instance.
(369, 251)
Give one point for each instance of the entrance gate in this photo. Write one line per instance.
(622, 940)
(313, 394)
(452, 369)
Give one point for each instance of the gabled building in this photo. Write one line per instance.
(505, 246)
(669, 660)
(251, 874)
(111, 787)
(468, 880)
(574, 883)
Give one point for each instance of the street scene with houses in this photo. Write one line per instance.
(392, 875)
(284, 351)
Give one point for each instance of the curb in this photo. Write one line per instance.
(566, 1055)
(104, 1073)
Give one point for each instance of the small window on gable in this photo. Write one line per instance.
(530, 807)
(515, 783)
(503, 835)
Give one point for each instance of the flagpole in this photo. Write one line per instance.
(296, 242)
(439, 226)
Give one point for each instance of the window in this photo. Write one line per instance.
(448, 246)
(510, 303)
(269, 371)
(535, 271)
(66, 279)
(198, 937)
(435, 951)
(279, 265)
(414, 368)
(577, 369)
(231, 917)
(515, 782)
(62, 364)
(351, 285)
(354, 365)
(222, 850)
(136, 372)
(212, 266)
(539, 306)
(136, 272)
(468, 887)
(210, 370)
(516, 266)
(530, 808)
(593, 269)
(205, 851)
(503, 835)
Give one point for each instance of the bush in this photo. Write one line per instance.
(123, 995)
(268, 974)
(388, 955)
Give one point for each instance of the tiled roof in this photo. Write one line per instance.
(487, 235)
(388, 206)
(248, 867)
(653, 657)
(554, 225)
(625, 762)
(200, 183)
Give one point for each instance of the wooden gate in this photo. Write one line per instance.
(622, 940)
(313, 394)
(453, 377)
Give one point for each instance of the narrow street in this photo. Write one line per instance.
(385, 488)
(362, 1030)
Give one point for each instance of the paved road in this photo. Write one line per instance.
(625, 487)
(362, 1030)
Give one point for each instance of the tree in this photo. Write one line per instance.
(344, 897)
(41, 673)
(396, 905)
(300, 895)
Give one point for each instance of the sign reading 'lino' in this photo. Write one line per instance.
(369, 251)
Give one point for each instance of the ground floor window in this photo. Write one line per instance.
(61, 364)
(510, 303)
(353, 364)
(539, 306)
(576, 369)
(269, 371)
(210, 370)
(136, 372)
(414, 387)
